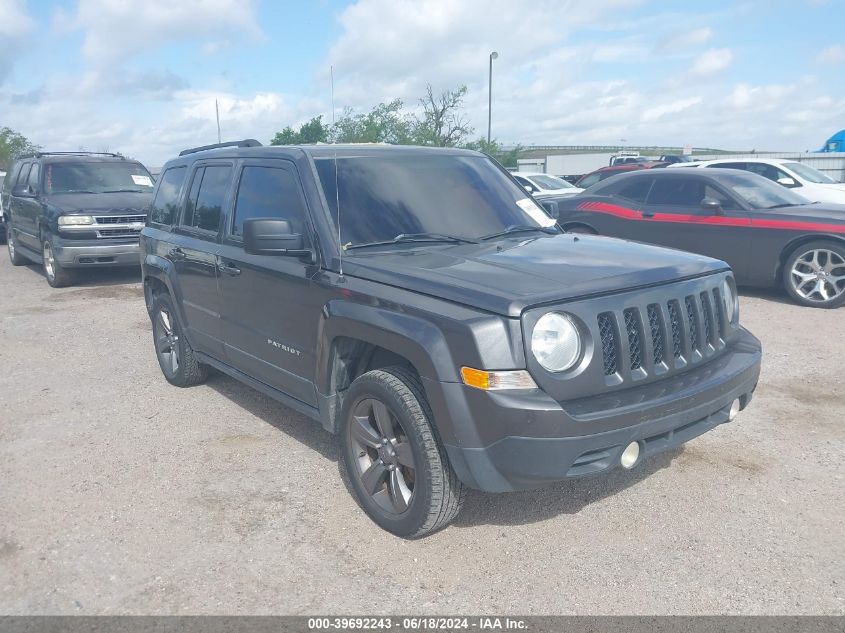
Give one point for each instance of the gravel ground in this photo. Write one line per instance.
(122, 494)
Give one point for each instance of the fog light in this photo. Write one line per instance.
(630, 455)
(734, 410)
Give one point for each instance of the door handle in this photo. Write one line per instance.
(229, 269)
(177, 254)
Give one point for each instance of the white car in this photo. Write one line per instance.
(538, 183)
(801, 178)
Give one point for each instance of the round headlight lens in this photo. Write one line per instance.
(555, 342)
(731, 301)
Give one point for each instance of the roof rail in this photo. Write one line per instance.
(79, 153)
(247, 142)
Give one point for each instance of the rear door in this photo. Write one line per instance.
(21, 211)
(673, 216)
(271, 311)
(194, 250)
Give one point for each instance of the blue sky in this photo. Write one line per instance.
(142, 77)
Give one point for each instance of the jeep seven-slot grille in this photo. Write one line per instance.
(634, 338)
(695, 330)
(607, 332)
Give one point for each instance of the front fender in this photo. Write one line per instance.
(162, 270)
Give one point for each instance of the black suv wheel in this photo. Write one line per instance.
(396, 464)
(175, 356)
(57, 276)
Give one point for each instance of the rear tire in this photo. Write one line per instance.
(57, 275)
(175, 355)
(814, 274)
(11, 244)
(396, 464)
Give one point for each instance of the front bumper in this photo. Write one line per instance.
(522, 440)
(85, 253)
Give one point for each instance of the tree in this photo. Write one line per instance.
(13, 145)
(385, 123)
(508, 158)
(441, 124)
(314, 131)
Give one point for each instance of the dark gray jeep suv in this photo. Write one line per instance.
(417, 303)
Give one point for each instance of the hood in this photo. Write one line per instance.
(513, 274)
(101, 203)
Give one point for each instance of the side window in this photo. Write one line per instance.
(163, 210)
(635, 189)
(589, 180)
(729, 166)
(269, 192)
(686, 192)
(522, 181)
(207, 197)
(23, 174)
(782, 177)
(726, 201)
(32, 181)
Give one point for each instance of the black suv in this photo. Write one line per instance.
(417, 303)
(72, 210)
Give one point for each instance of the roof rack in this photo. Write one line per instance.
(79, 153)
(247, 142)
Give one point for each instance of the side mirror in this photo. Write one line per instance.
(272, 237)
(712, 205)
(786, 181)
(23, 191)
(551, 207)
(529, 188)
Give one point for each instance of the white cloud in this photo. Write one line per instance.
(832, 54)
(673, 107)
(15, 27)
(712, 61)
(116, 29)
(695, 37)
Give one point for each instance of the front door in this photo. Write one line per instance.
(194, 250)
(270, 311)
(673, 216)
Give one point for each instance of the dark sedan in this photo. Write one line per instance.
(767, 233)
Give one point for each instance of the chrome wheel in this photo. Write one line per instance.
(384, 460)
(49, 261)
(818, 275)
(166, 341)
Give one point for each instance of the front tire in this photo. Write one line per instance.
(12, 245)
(175, 355)
(57, 275)
(814, 274)
(397, 466)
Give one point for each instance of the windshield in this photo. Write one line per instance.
(97, 177)
(550, 182)
(809, 174)
(760, 192)
(461, 196)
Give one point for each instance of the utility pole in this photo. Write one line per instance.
(217, 111)
(493, 56)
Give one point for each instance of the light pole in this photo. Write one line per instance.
(493, 56)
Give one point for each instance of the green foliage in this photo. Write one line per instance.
(385, 123)
(13, 145)
(493, 148)
(314, 131)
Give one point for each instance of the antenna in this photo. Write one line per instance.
(217, 112)
(336, 185)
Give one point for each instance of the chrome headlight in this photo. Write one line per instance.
(731, 301)
(555, 342)
(75, 220)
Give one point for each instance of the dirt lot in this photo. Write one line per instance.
(122, 494)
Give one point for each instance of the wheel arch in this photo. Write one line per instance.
(802, 240)
(566, 226)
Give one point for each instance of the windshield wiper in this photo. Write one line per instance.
(781, 206)
(522, 228)
(415, 237)
(124, 191)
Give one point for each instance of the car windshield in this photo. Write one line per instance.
(383, 197)
(97, 177)
(550, 182)
(760, 192)
(809, 174)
